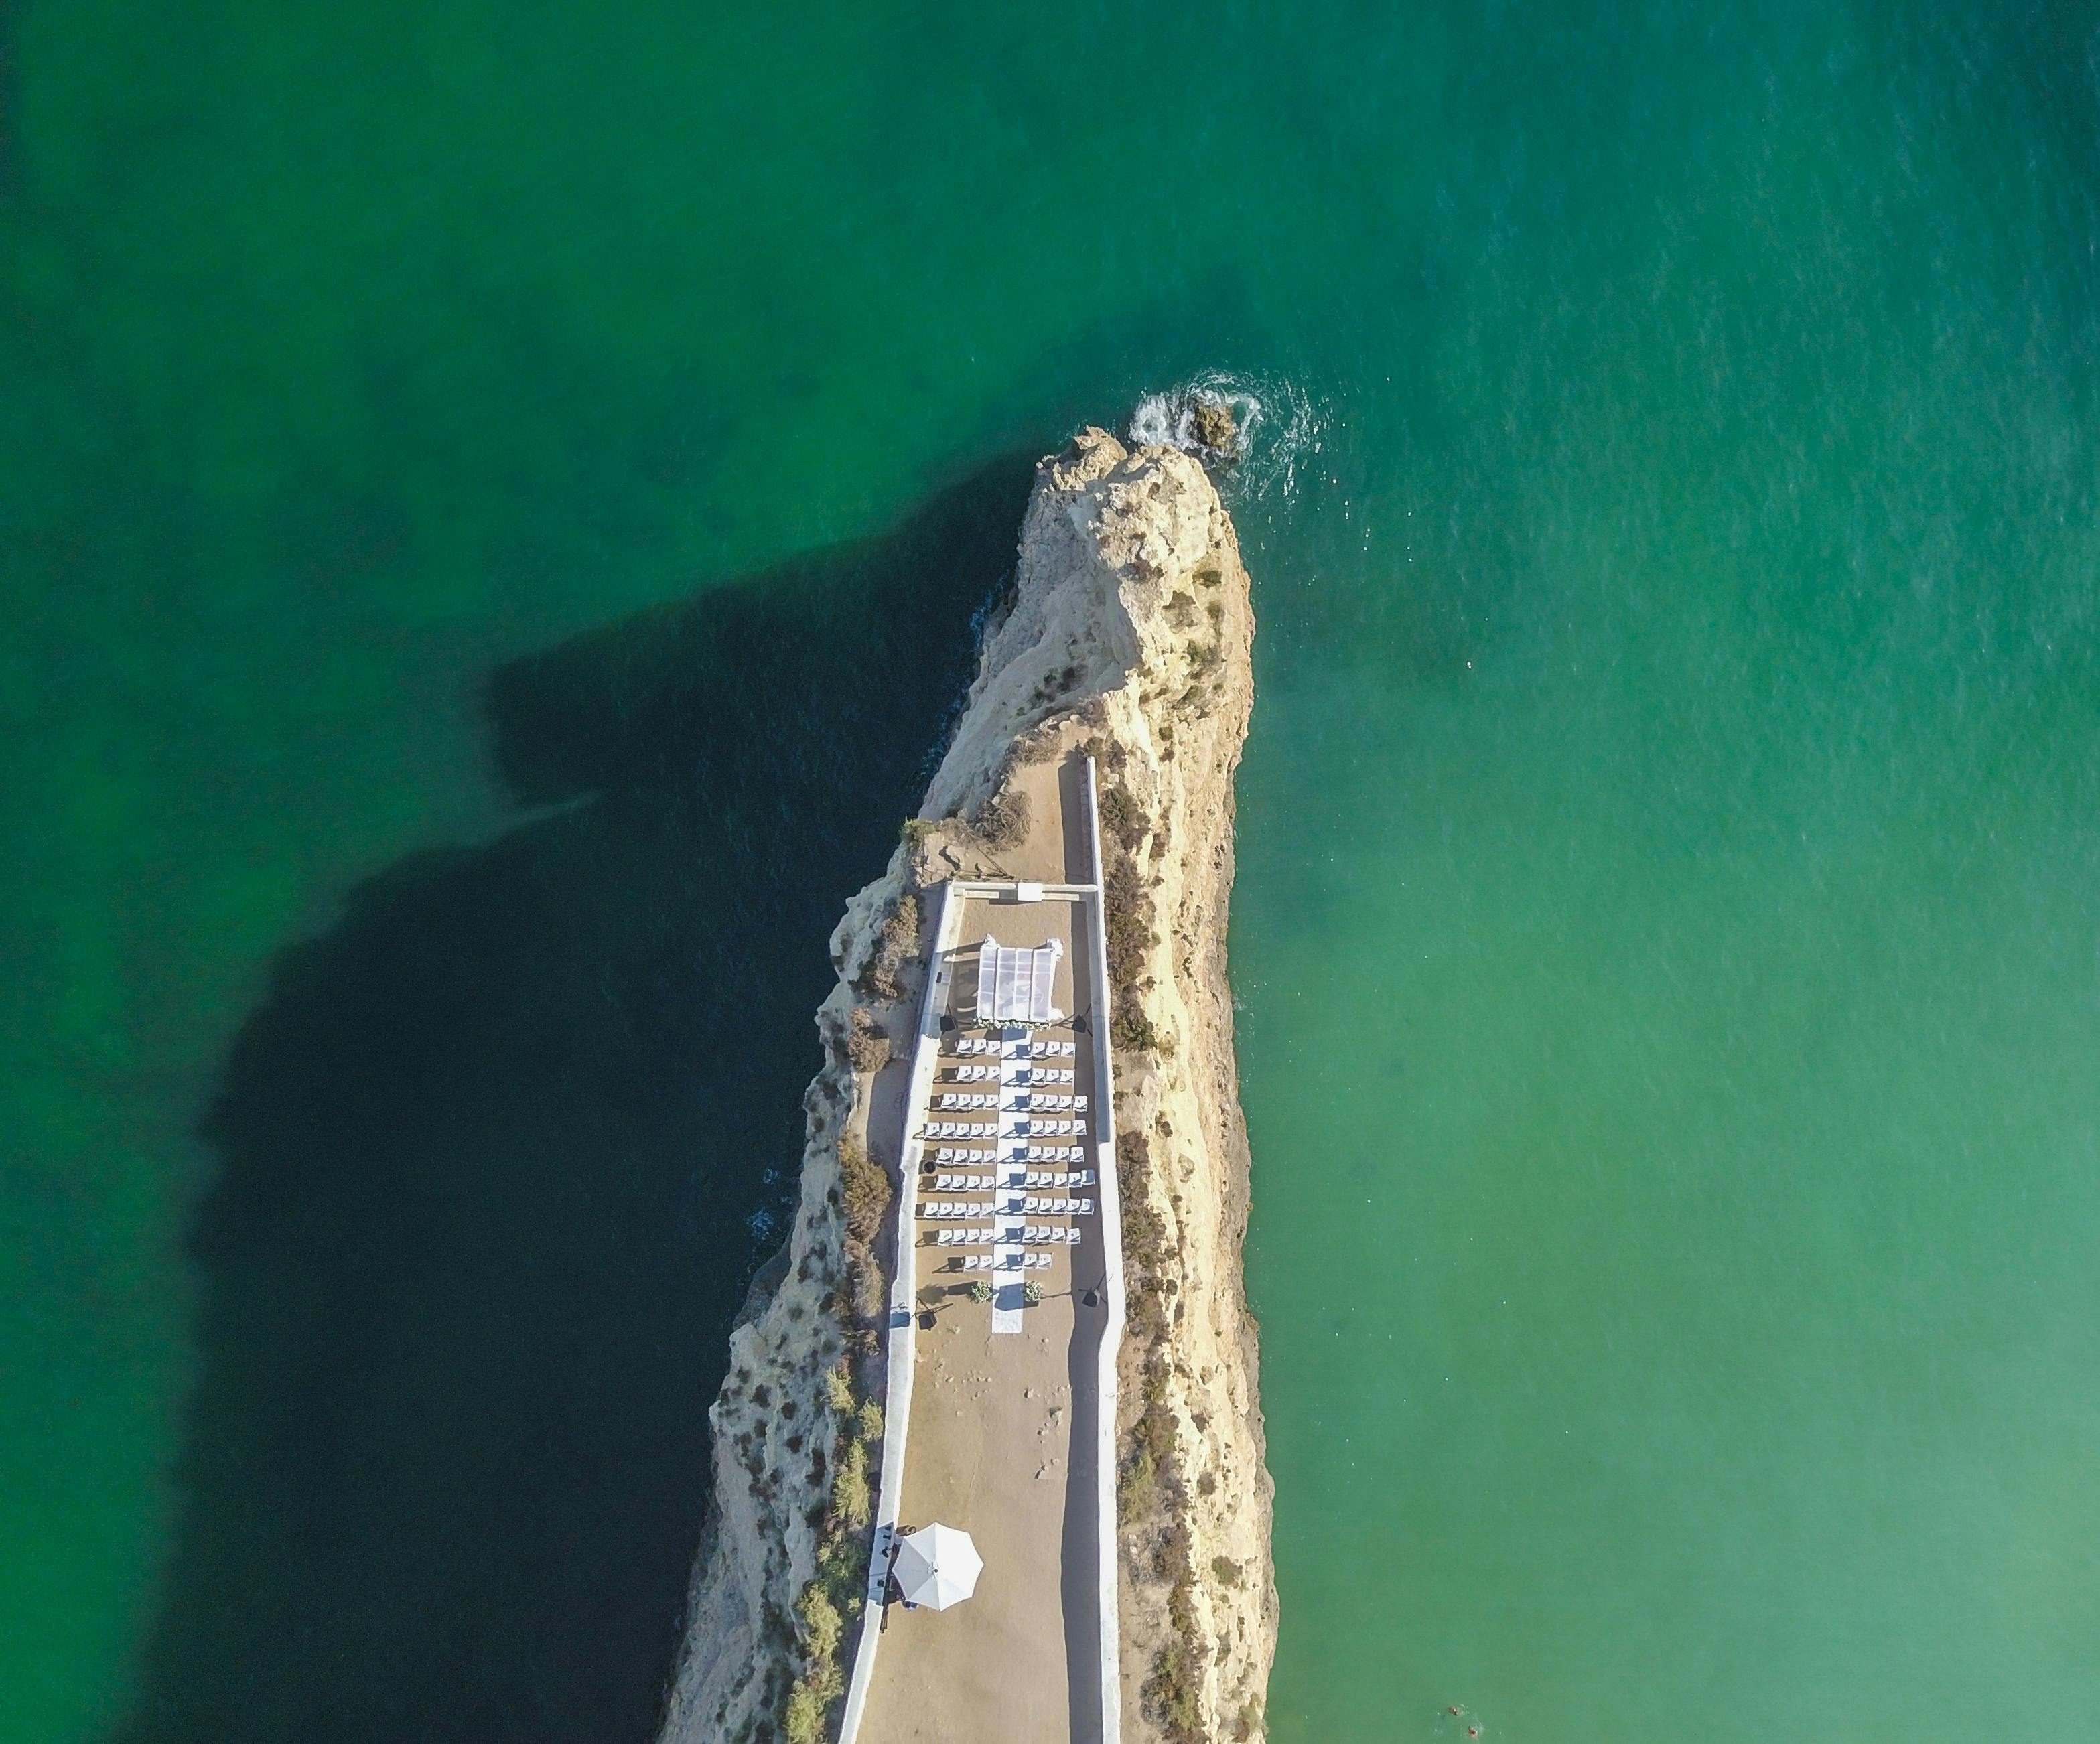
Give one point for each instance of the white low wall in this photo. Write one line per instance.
(1104, 1414)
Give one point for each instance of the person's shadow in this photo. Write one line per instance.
(498, 1154)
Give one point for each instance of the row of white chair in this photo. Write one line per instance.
(1032, 1234)
(969, 1099)
(990, 1261)
(1055, 1206)
(961, 1130)
(1046, 1047)
(1058, 1178)
(965, 1153)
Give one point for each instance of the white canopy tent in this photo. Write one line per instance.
(937, 1566)
(1014, 982)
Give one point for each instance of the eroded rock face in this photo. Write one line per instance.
(1212, 424)
(1129, 635)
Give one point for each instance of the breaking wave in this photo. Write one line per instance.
(1277, 427)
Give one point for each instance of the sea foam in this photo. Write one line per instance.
(1277, 426)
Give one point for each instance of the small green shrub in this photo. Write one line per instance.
(842, 1572)
(1227, 1570)
(916, 831)
(870, 1424)
(868, 1042)
(822, 1626)
(1139, 1486)
(865, 1185)
(1123, 817)
(1170, 1693)
(803, 1720)
(838, 1390)
(981, 1290)
(852, 1504)
(895, 946)
(1126, 920)
(1154, 1431)
(1133, 1032)
(865, 1294)
(1031, 1293)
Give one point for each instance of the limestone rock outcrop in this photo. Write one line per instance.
(1128, 635)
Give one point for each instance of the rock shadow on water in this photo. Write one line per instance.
(491, 1152)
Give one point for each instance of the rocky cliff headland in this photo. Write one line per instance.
(1128, 636)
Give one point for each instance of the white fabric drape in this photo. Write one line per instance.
(1014, 982)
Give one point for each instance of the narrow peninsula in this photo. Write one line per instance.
(988, 1460)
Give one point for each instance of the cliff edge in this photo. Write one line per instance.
(1127, 636)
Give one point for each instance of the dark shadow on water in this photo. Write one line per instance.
(491, 1151)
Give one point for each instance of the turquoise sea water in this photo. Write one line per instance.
(492, 500)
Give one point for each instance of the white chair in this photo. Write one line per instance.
(1086, 1208)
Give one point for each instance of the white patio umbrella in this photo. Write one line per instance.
(938, 1565)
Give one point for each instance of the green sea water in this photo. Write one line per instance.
(491, 503)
